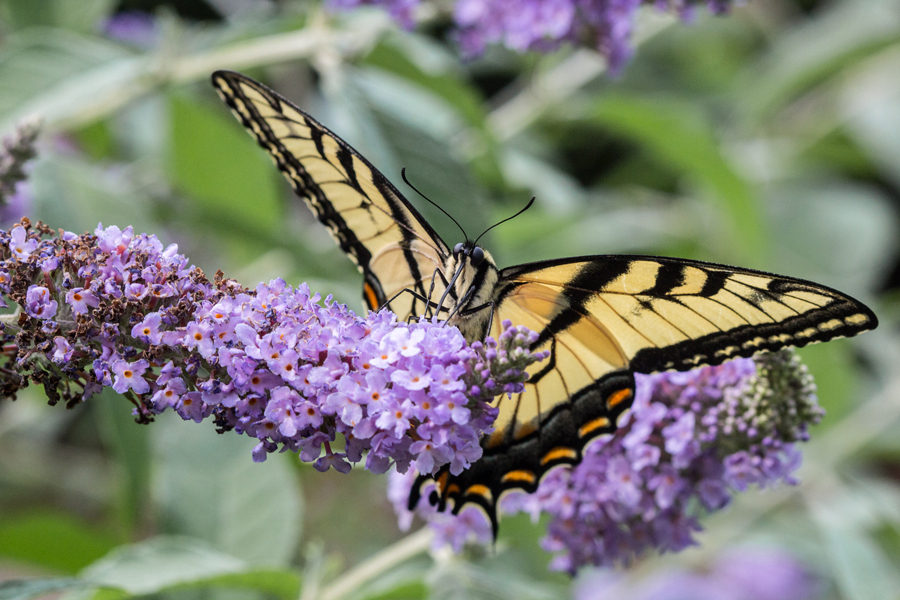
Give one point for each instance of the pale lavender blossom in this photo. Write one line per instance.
(62, 351)
(80, 299)
(19, 244)
(130, 376)
(39, 303)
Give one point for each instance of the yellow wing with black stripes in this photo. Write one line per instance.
(393, 246)
(605, 317)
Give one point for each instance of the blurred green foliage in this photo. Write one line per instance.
(769, 139)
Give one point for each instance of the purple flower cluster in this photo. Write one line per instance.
(543, 25)
(752, 573)
(119, 310)
(692, 439)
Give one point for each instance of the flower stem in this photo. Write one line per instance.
(396, 553)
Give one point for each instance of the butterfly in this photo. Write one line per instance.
(601, 318)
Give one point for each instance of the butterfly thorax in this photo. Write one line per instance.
(473, 273)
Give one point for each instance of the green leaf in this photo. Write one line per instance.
(872, 109)
(859, 566)
(65, 77)
(419, 61)
(53, 540)
(81, 16)
(559, 192)
(415, 590)
(840, 34)
(34, 588)
(209, 487)
(833, 232)
(457, 579)
(28, 13)
(173, 563)
(160, 563)
(836, 382)
(73, 193)
(679, 135)
(215, 162)
(96, 139)
(280, 583)
(130, 445)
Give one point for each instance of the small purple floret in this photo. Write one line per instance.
(39, 303)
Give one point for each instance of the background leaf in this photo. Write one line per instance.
(210, 488)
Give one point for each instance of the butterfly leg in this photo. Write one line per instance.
(428, 303)
(431, 289)
(417, 295)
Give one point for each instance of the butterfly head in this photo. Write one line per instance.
(469, 251)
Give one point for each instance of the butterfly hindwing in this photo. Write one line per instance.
(604, 317)
(393, 246)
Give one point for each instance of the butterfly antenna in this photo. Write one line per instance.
(403, 175)
(527, 206)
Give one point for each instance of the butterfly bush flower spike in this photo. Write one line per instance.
(276, 363)
(544, 25)
(692, 439)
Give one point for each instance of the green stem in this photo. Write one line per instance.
(373, 567)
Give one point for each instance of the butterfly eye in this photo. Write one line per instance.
(477, 256)
(457, 249)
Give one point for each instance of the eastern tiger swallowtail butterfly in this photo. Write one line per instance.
(602, 318)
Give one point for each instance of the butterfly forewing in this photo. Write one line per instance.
(390, 242)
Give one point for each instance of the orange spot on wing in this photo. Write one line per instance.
(618, 397)
(480, 490)
(559, 453)
(591, 426)
(518, 476)
(370, 296)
